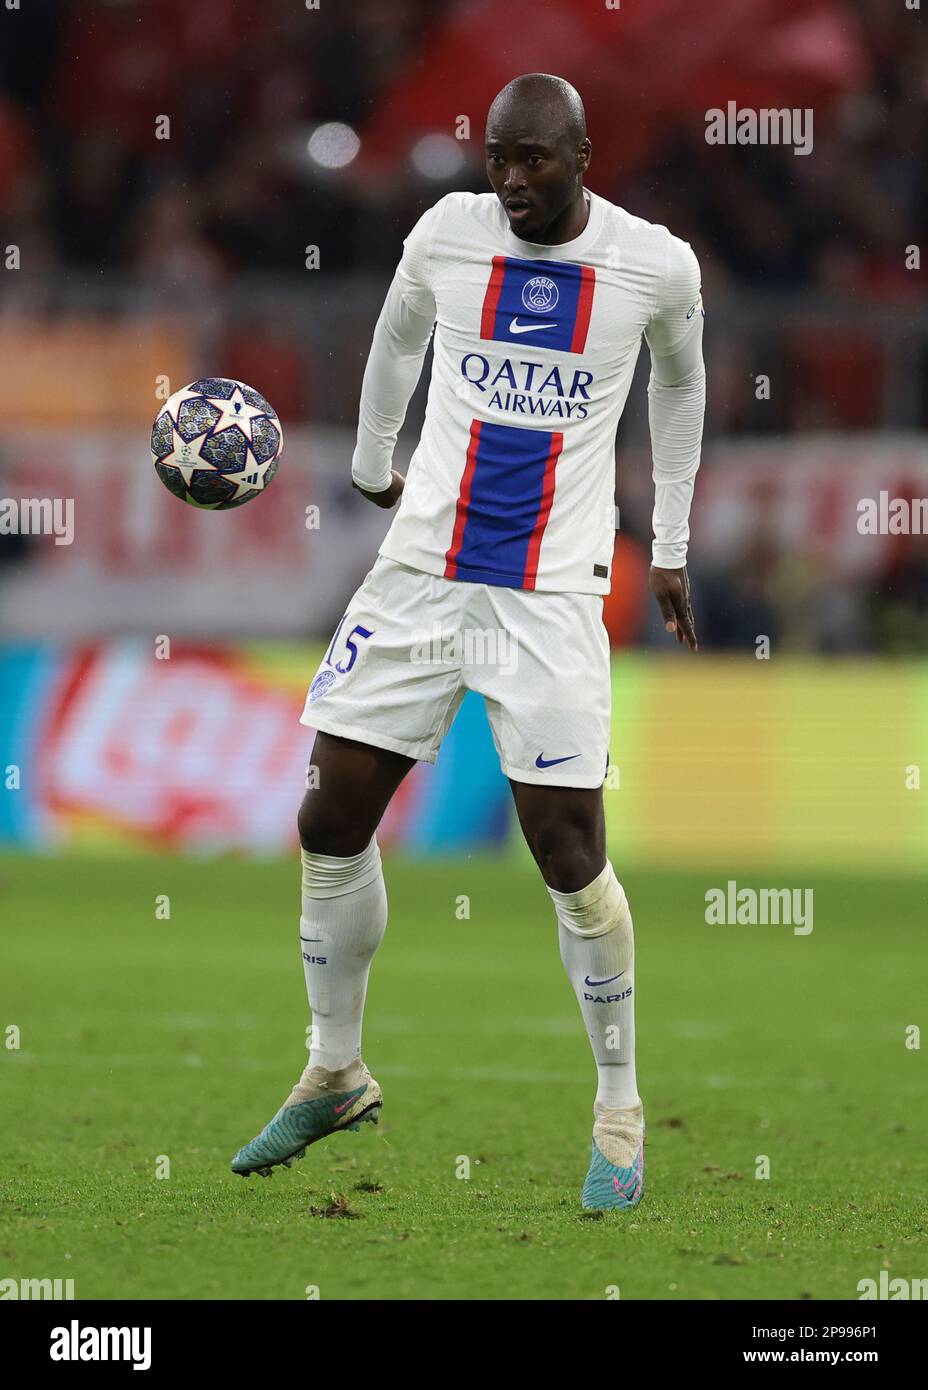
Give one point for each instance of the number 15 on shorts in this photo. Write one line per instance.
(343, 666)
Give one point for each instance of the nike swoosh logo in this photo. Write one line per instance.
(516, 327)
(628, 1189)
(594, 983)
(541, 761)
(310, 938)
(344, 1106)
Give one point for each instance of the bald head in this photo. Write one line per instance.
(540, 97)
(537, 152)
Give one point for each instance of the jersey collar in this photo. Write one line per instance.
(566, 250)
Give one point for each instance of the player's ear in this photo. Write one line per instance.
(584, 155)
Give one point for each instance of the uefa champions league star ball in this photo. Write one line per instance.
(216, 443)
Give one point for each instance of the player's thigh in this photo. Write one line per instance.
(547, 685)
(565, 829)
(548, 699)
(383, 697)
(349, 787)
(389, 677)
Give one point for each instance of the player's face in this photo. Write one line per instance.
(536, 179)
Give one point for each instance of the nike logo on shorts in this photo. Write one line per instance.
(542, 762)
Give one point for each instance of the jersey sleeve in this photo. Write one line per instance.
(415, 270)
(676, 400)
(679, 303)
(401, 337)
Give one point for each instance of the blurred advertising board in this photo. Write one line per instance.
(715, 761)
(105, 745)
(793, 761)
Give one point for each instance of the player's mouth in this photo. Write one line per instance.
(518, 209)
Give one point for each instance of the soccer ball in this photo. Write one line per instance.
(216, 443)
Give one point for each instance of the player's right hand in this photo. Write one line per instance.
(389, 496)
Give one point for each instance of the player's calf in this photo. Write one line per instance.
(342, 921)
(597, 948)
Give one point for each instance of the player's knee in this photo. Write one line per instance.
(567, 856)
(324, 829)
(596, 909)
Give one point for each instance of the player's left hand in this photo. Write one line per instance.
(671, 588)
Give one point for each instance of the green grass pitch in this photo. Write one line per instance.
(143, 1039)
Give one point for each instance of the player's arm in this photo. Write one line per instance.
(401, 338)
(676, 409)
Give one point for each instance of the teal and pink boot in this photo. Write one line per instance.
(616, 1176)
(320, 1103)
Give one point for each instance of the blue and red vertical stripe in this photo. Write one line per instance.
(503, 506)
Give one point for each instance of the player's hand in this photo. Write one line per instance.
(671, 588)
(390, 495)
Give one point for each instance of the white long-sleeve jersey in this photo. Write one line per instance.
(513, 477)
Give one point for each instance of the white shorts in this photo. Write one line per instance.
(412, 644)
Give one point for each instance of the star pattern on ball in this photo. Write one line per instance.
(186, 453)
(235, 411)
(187, 456)
(205, 448)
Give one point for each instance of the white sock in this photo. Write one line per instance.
(344, 917)
(597, 944)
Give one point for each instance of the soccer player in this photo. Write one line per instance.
(539, 294)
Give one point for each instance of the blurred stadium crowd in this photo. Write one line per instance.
(84, 182)
(803, 257)
(102, 204)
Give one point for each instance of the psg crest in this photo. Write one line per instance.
(540, 294)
